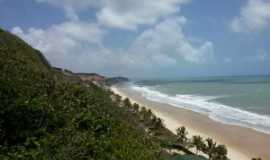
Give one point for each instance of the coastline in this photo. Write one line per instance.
(242, 143)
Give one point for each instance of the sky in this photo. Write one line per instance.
(146, 38)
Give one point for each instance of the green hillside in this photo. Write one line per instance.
(51, 114)
(44, 115)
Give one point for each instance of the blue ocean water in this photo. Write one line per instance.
(237, 100)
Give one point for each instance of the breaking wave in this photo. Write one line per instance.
(205, 105)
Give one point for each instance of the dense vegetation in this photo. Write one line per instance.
(45, 114)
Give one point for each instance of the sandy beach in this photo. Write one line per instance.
(242, 143)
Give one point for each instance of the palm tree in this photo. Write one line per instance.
(182, 135)
(143, 109)
(127, 103)
(220, 153)
(256, 159)
(149, 114)
(209, 148)
(136, 107)
(118, 98)
(157, 123)
(197, 141)
(142, 113)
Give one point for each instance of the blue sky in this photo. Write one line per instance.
(146, 38)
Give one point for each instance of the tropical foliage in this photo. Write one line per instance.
(45, 114)
(207, 146)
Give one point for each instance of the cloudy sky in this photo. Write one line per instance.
(146, 38)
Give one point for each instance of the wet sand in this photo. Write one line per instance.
(242, 143)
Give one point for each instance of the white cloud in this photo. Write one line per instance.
(166, 43)
(70, 45)
(75, 4)
(255, 16)
(124, 14)
(79, 46)
(71, 7)
(128, 14)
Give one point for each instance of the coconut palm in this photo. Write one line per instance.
(209, 148)
(127, 103)
(142, 113)
(197, 141)
(220, 153)
(118, 98)
(143, 109)
(149, 114)
(182, 135)
(157, 123)
(256, 159)
(136, 107)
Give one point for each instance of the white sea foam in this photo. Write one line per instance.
(216, 111)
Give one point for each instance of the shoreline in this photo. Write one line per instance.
(242, 143)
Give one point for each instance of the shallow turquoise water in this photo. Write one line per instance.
(241, 100)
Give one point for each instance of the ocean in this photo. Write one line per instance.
(236, 100)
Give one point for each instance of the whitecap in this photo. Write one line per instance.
(205, 105)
